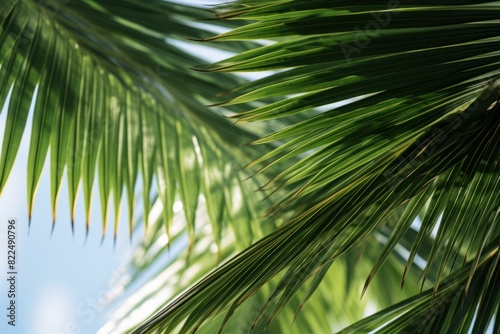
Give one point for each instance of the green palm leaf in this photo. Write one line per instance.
(377, 114)
(450, 310)
(421, 136)
(336, 303)
(112, 99)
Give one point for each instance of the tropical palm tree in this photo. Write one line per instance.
(375, 156)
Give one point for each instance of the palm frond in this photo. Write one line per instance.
(166, 272)
(452, 309)
(421, 135)
(109, 86)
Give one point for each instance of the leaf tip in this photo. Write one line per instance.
(53, 223)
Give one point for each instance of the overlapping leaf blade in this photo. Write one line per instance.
(102, 79)
(422, 132)
(336, 303)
